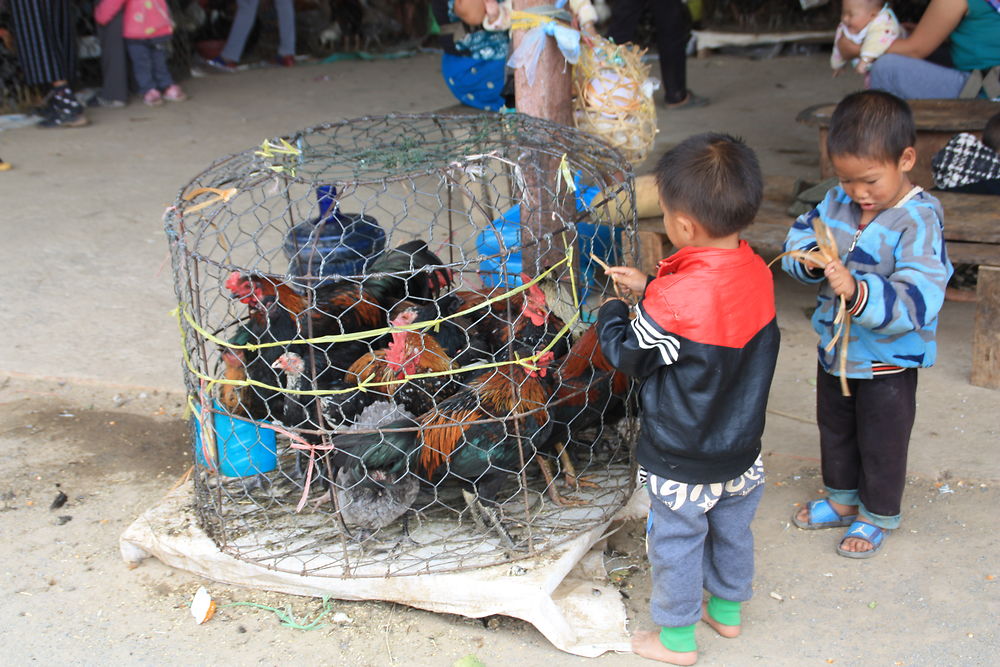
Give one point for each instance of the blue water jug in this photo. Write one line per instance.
(333, 243)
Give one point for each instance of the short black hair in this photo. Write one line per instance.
(871, 124)
(991, 133)
(714, 178)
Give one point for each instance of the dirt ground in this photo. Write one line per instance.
(91, 407)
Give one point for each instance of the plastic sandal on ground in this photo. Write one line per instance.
(822, 515)
(867, 532)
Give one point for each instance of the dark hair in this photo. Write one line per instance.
(991, 133)
(715, 178)
(871, 124)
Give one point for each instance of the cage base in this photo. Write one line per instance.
(564, 592)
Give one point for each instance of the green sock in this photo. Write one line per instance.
(722, 611)
(680, 639)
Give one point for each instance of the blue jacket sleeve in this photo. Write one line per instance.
(802, 236)
(913, 294)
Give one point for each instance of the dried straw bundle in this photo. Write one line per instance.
(824, 253)
(613, 99)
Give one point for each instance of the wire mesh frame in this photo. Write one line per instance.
(441, 179)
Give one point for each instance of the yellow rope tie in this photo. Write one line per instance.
(371, 333)
(526, 20)
(271, 151)
(364, 385)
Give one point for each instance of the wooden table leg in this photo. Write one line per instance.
(986, 336)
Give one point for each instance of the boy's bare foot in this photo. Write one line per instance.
(856, 544)
(727, 631)
(648, 645)
(842, 510)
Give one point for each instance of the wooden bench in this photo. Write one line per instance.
(937, 122)
(972, 236)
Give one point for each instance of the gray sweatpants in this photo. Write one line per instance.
(691, 549)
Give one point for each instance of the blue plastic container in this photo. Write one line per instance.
(333, 243)
(244, 448)
(601, 240)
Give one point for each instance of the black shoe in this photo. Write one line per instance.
(61, 119)
(65, 102)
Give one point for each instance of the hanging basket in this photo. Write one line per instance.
(614, 97)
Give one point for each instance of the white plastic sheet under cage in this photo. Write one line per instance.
(564, 592)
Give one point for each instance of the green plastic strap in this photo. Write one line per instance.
(679, 639)
(725, 612)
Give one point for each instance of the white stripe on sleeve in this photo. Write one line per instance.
(649, 338)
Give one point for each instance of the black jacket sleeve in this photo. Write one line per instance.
(624, 348)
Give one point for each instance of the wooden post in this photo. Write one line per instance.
(986, 336)
(548, 98)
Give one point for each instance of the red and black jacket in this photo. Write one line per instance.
(705, 340)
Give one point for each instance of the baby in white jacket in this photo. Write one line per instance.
(869, 23)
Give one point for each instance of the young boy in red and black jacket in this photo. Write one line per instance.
(704, 340)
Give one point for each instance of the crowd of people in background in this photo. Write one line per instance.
(954, 50)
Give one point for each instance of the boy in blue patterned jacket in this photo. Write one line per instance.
(893, 273)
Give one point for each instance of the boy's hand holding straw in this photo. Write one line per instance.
(628, 277)
(826, 256)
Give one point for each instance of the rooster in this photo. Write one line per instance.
(345, 306)
(273, 310)
(473, 438)
(523, 317)
(409, 353)
(238, 399)
(348, 307)
(589, 391)
(299, 411)
(456, 335)
(470, 437)
(375, 480)
(278, 312)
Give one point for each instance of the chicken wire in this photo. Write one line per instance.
(287, 383)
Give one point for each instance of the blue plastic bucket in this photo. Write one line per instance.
(244, 448)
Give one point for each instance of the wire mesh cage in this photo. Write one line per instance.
(389, 343)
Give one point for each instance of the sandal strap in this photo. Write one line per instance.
(865, 531)
(821, 511)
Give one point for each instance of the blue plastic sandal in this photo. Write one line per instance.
(865, 531)
(822, 515)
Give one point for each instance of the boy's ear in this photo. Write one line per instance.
(687, 227)
(908, 159)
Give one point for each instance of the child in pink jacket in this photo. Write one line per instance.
(147, 30)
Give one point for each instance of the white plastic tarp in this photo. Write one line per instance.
(564, 592)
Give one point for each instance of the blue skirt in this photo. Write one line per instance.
(475, 83)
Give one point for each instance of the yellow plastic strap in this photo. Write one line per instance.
(364, 385)
(565, 175)
(371, 333)
(270, 150)
(526, 20)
